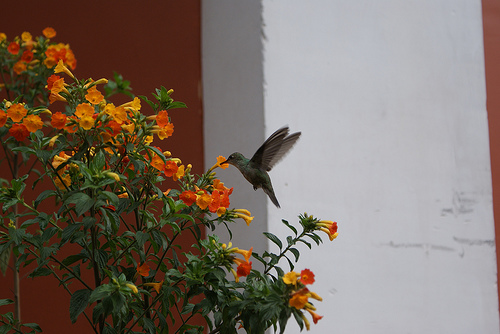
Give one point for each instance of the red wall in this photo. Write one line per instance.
(491, 30)
(152, 44)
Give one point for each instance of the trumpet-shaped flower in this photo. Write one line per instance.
(33, 123)
(166, 131)
(329, 228)
(315, 316)
(17, 112)
(60, 67)
(157, 286)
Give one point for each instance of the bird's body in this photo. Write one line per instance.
(255, 169)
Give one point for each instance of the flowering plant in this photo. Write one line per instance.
(107, 180)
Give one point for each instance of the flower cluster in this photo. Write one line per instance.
(300, 294)
(108, 177)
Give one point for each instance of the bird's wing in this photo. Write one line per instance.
(274, 148)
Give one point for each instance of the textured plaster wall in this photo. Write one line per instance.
(390, 98)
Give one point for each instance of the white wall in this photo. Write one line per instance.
(390, 98)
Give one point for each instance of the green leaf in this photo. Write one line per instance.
(4, 260)
(6, 302)
(42, 271)
(33, 326)
(43, 195)
(289, 226)
(274, 239)
(82, 202)
(78, 303)
(141, 238)
(296, 253)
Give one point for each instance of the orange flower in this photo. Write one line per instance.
(19, 131)
(3, 118)
(156, 286)
(166, 131)
(66, 181)
(50, 81)
(315, 316)
(157, 162)
(244, 267)
(13, 48)
(306, 277)
(188, 197)
(143, 270)
(170, 168)
(19, 67)
(203, 200)
(246, 253)
(298, 300)
(27, 56)
(58, 120)
(162, 118)
(16, 112)
(33, 123)
(49, 32)
(114, 128)
(84, 109)
(94, 96)
(214, 204)
(329, 228)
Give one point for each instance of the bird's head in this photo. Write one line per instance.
(234, 159)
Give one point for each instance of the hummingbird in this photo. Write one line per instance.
(255, 169)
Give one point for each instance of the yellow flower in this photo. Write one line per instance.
(133, 288)
(135, 104)
(2, 36)
(53, 141)
(62, 68)
(291, 278)
(148, 140)
(246, 218)
(26, 36)
(179, 174)
(114, 176)
(129, 128)
(86, 122)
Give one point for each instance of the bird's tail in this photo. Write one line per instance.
(270, 192)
